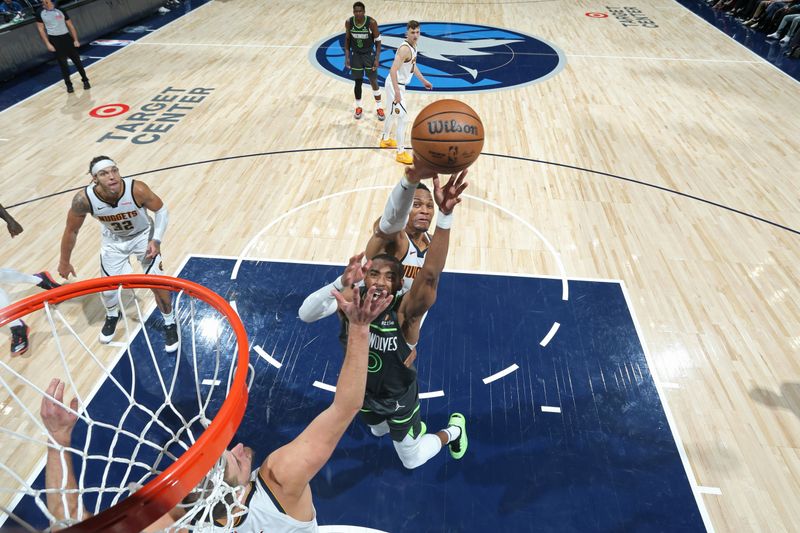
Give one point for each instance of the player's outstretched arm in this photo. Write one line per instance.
(59, 473)
(75, 217)
(322, 302)
(292, 466)
(388, 231)
(422, 294)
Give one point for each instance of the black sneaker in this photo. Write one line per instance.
(110, 326)
(70, 89)
(86, 84)
(19, 339)
(47, 282)
(171, 338)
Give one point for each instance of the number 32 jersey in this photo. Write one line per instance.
(123, 219)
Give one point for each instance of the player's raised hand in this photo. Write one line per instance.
(449, 196)
(58, 421)
(355, 272)
(362, 311)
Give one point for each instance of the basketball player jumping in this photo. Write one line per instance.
(121, 204)
(409, 245)
(362, 51)
(403, 66)
(19, 330)
(391, 403)
(278, 493)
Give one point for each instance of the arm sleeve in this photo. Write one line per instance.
(160, 224)
(320, 303)
(398, 207)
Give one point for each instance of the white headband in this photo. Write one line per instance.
(102, 165)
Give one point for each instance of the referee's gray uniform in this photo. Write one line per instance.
(54, 22)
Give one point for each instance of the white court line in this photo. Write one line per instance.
(709, 490)
(688, 59)
(4, 140)
(760, 59)
(227, 45)
(214, 382)
(550, 334)
(264, 355)
(701, 505)
(502, 373)
(233, 304)
(324, 386)
(550, 247)
(109, 55)
(117, 344)
(432, 394)
(550, 409)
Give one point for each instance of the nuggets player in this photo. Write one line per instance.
(121, 205)
(403, 66)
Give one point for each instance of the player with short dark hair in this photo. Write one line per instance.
(362, 52)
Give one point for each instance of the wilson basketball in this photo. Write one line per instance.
(447, 136)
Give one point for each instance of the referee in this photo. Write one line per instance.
(59, 36)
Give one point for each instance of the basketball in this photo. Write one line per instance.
(447, 136)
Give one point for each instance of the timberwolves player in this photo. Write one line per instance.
(391, 403)
(362, 51)
(121, 204)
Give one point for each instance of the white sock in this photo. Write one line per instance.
(378, 102)
(169, 318)
(12, 276)
(358, 103)
(453, 433)
(112, 311)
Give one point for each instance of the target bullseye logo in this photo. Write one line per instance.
(597, 15)
(109, 110)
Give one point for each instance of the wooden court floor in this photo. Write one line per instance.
(704, 232)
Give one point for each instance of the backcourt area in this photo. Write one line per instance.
(642, 194)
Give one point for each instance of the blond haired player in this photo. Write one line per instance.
(121, 205)
(403, 66)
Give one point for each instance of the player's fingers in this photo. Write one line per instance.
(74, 404)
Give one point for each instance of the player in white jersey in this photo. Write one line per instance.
(121, 205)
(277, 495)
(403, 66)
(19, 330)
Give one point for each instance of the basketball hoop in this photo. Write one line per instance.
(183, 459)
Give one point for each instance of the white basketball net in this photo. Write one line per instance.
(120, 453)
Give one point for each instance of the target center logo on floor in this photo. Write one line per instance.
(455, 57)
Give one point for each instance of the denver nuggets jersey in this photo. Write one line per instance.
(406, 70)
(412, 261)
(390, 384)
(123, 219)
(265, 514)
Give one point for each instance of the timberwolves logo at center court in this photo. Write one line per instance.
(456, 57)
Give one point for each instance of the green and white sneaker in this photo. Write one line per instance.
(459, 446)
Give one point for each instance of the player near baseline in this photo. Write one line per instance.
(391, 404)
(403, 66)
(19, 330)
(121, 205)
(278, 494)
(362, 52)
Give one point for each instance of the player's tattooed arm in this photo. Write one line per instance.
(80, 204)
(75, 216)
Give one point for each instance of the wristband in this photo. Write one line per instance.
(337, 284)
(444, 221)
